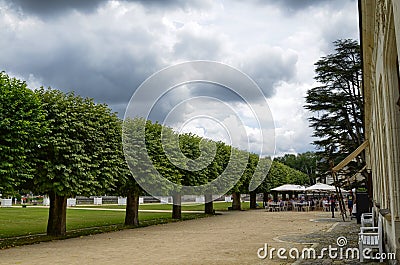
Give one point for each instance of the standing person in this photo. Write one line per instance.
(332, 200)
(350, 201)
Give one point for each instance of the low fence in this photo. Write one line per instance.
(100, 200)
(6, 203)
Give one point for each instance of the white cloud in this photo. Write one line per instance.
(292, 131)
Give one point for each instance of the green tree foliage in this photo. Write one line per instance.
(280, 174)
(80, 154)
(195, 171)
(22, 125)
(167, 157)
(305, 162)
(337, 105)
(154, 146)
(214, 170)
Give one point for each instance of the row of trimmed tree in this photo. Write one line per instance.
(64, 145)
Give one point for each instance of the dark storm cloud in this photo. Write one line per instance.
(184, 4)
(293, 6)
(269, 66)
(105, 62)
(45, 8)
(215, 91)
(111, 83)
(191, 91)
(96, 56)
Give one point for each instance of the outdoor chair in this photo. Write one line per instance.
(284, 206)
(277, 206)
(271, 207)
(367, 219)
(307, 206)
(326, 207)
(268, 207)
(303, 206)
(371, 238)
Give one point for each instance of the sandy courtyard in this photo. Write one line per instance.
(230, 238)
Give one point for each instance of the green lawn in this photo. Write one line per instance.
(19, 226)
(31, 220)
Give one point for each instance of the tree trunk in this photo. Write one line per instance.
(176, 207)
(253, 200)
(236, 201)
(132, 209)
(56, 224)
(208, 207)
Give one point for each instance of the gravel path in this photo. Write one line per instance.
(230, 238)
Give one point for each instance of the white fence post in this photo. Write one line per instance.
(71, 202)
(165, 199)
(46, 201)
(121, 200)
(228, 199)
(98, 201)
(6, 202)
(200, 199)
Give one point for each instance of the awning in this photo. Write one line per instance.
(350, 157)
(289, 187)
(321, 187)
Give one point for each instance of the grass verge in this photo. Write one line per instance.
(21, 226)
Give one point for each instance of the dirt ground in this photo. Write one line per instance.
(229, 238)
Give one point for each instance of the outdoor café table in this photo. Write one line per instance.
(274, 205)
(299, 205)
(305, 206)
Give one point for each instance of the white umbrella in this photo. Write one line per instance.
(289, 187)
(321, 187)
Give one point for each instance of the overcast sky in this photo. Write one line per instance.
(106, 49)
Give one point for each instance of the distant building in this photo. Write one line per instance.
(380, 41)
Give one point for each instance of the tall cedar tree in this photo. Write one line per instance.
(337, 105)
